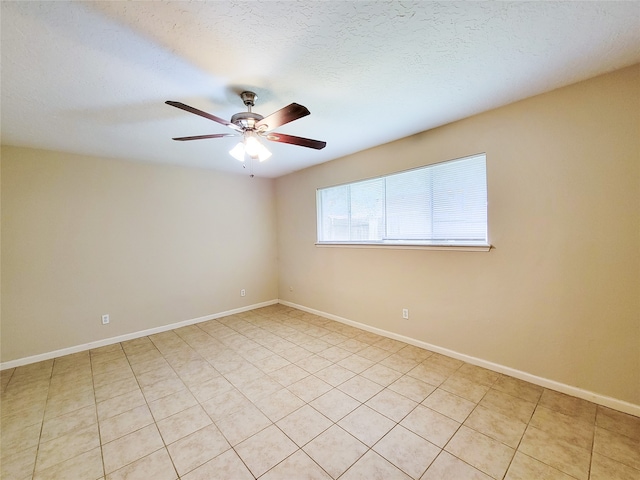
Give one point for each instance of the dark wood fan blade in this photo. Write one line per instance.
(189, 109)
(284, 115)
(202, 137)
(303, 142)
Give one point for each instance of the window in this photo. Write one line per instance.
(441, 204)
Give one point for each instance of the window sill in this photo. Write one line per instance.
(456, 248)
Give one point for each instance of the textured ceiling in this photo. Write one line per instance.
(92, 77)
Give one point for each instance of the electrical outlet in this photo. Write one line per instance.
(105, 319)
(243, 292)
(405, 313)
(291, 289)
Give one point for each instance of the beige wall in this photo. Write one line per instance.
(559, 296)
(149, 245)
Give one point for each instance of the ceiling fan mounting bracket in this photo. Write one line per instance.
(248, 98)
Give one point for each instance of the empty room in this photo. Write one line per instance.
(320, 240)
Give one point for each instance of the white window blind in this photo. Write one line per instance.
(441, 204)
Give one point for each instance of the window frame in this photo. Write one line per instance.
(469, 246)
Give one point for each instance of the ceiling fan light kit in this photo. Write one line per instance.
(251, 126)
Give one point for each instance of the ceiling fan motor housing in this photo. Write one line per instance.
(246, 120)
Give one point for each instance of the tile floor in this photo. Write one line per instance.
(277, 393)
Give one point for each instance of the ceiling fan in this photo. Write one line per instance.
(253, 126)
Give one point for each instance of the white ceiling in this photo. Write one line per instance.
(92, 77)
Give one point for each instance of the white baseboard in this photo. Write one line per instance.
(129, 336)
(603, 400)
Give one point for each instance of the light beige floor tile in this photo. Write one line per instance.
(294, 466)
(103, 380)
(335, 404)
(260, 388)
(19, 465)
(366, 425)
(563, 427)
(518, 388)
(120, 387)
(618, 422)
(125, 423)
(335, 450)
(209, 389)
(450, 405)
(444, 361)
(279, 404)
(197, 449)
(243, 375)
(334, 374)
(356, 363)
(415, 353)
(465, 388)
(289, 374)
(477, 374)
(524, 467)
(508, 405)
(448, 467)
(163, 388)
(61, 405)
(313, 363)
(603, 468)
(431, 373)
(242, 424)
(67, 446)
(118, 364)
(412, 388)
(399, 363)
(86, 465)
(555, 452)
(145, 363)
(335, 354)
(225, 404)
(352, 345)
(390, 344)
(372, 466)
(130, 448)
(272, 363)
(617, 447)
(360, 388)
(495, 425)
(122, 403)
(294, 354)
(391, 404)
(574, 407)
(171, 404)
(71, 380)
(183, 423)
(265, 449)
(430, 425)
(481, 452)
(368, 337)
(156, 466)
(374, 354)
(255, 355)
(310, 388)
(381, 375)
(17, 440)
(304, 424)
(409, 452)
(335, 338)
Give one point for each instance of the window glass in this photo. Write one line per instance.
(441, 204)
